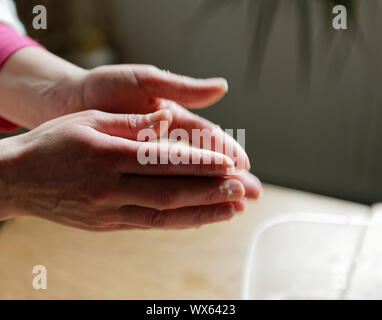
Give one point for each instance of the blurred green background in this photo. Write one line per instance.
(308, 96)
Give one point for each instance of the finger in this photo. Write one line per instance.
(129, 126)
(106, 227)
(240, 205)
(252, 185)
(175, 192)
(183, 217)
(190, 92)
(153, 159)
(110, 228)
(217, 140)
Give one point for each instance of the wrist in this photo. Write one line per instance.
(37, 86)
(9, 151)
(66, 93)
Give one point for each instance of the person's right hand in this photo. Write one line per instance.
(82, 171)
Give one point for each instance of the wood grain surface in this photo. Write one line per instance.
(205, 263)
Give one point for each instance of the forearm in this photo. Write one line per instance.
(33, 86)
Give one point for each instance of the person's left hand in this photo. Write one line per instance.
(36, 86)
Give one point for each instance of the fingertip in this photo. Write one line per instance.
(229, 166)
(257, 191)
(161, 115)
(205, 93)
(261, 191)
(167, 116)
(225, 85)
(220, 83)
(259, 188)
(252, 185)
(247, 163)
(159, 121)
(233, 189)
(240, 205)
(221, 165)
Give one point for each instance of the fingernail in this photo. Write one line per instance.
(224, 84)
(221, 82)
(230, 166)
(241, 165)
(156, 117)
(232, 189)
(247, 163)
(227, 169)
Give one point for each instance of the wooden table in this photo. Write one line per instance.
(205, 263)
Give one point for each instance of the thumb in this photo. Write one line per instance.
(128, 126)
(187, 91)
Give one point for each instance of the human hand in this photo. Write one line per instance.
(144, 88)
(36, 86)
(82, 171)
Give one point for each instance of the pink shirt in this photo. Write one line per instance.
(10, 42)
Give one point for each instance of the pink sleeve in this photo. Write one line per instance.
(10, 42)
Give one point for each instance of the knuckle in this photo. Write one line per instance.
(164, 198)
(105, 219)
(198, 217)
(211, 196)
(91, 114)
(131, 121)
(91, 221)
(158, 219)
(98, 197)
